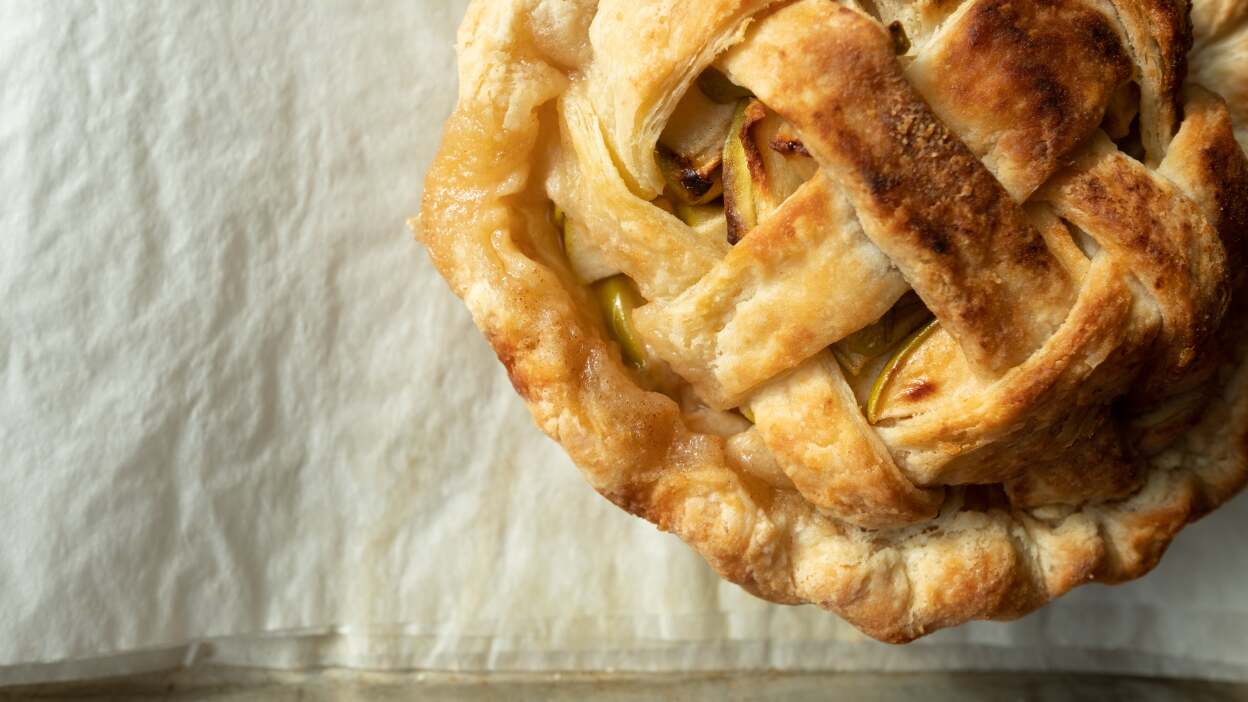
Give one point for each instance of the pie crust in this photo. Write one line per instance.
(1093, 390)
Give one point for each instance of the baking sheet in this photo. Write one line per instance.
(243, 420)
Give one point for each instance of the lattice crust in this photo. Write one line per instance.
(1069, 207)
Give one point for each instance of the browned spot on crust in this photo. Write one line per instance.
(880, 184)
(1226, 171)
(509, 356)
(1175, 23)
(1030, 80)
(919, 389)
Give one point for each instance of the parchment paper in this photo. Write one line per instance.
(243, 421)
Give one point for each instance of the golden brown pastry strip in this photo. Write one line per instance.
(800, 281)
(1159, 235)
(1160, 37)
(1022, 83)
(811, 422)
(1207, 163)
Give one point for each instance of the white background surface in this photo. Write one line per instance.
(238, 400)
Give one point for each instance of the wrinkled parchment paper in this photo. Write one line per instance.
(243, 421)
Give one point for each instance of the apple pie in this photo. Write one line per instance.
(921, 311)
